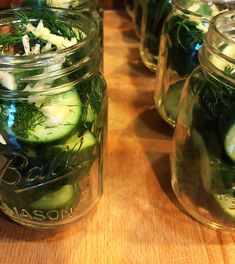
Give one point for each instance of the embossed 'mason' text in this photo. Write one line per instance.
(37, 215)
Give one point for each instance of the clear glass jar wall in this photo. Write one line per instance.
(203, 161)
(138, 16)
(181, 39)
(53, 122)
(154, 14)
(129, 6)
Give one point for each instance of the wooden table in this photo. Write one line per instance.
(137, 220)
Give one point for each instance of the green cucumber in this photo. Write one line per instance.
(216, 175)
(204, 160)
(54, 120)
(227, 203)
(172, 99)
(78, 151)
(62, 198)
(227, 131)
(78, 143)
(90, 116)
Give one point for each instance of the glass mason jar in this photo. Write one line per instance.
(181, 39)
(138, 15)
(154, 14)
(203, 160)
(129, 6)
(91, 8)
(101, 8)
(53, 111)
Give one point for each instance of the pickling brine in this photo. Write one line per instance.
(53, 111)
(203, 161)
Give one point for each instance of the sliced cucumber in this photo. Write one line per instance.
(90, 116)
(172, 99)
(77, 143)
(78, 151)
(229, 143)
(222, 175)
(227, 131)
(226, 203)
(204, 160)
(57, 117)
(60, 199)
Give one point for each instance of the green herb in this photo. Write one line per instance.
(157, 11)
(216, 94)
(185, 40)
(26, 118)
(51, 20)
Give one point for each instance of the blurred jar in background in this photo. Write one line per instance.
(181, 39)
(5, 4)
(129, 7)
(203, 160)
(138, 16)
(154, 14)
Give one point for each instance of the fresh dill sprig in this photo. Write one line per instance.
(188, 35)
(18, 29)
(217, 94)
(50, 19)
(26, 118)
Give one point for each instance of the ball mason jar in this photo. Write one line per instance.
(91, 8)
(181, 39)
(129, 7)
(154, 14)
(53, 115)
(138, 16)
(203, 160)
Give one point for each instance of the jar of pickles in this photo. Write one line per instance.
(181, 39)
(203, 160)
(154, 14)
(53, 111)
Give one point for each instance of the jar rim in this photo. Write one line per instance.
(214, 25)
(90, 27)
(216, 54)
(92, 5)
(185, 9)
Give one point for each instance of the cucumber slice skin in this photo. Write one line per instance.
(55, 120)
(62, 198)
(72, 153)
(227, 131)
(44, 197)
(226, 203)
(172, 99)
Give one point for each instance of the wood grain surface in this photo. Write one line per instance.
(137, 220)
